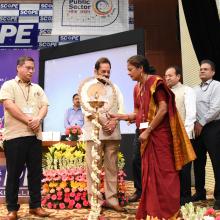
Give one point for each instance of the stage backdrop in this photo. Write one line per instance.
(30, 26)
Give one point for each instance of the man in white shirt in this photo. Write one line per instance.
(207, 131)
(110, 137)
(25, 106)
(186, 105)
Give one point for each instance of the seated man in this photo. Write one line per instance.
(74, 115)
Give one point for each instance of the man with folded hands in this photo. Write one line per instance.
(25, 106)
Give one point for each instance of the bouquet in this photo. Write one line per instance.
(73, 132)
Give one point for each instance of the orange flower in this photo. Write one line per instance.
(63, 184)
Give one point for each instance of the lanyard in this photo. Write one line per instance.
(205, 85)
(25, 97)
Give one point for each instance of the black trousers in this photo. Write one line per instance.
(19, 152)
(208, 141)
(136, 164)
(185, 181)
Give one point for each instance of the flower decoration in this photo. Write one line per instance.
(73, 132)
(64, 185)
(189, 212)
(210, 214)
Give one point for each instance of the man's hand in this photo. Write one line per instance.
(198, 128)
(110, 126)
(34, 124)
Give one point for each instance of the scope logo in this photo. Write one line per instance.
(45, 31)
(47, 6)
(47, 44)
(45, 19)
(16, 35)
(67, 38)
(9, 6)
(8, 19)
(28, 12)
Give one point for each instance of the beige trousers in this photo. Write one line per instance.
(110, 162)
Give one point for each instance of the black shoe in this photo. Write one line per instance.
(217, 205)
(134, 198)
(197, 197)
(184, 200)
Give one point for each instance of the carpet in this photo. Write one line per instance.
(81, 214)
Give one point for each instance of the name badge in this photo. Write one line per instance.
(144, 125)
(27, 110)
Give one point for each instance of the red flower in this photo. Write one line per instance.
(43, 202)
(66, 200)
(210, 211)
(85, 203)
(75, 130)
(60, 193)
(78, 206)
(49, 205)
(72, 194)
(72, 202)
(70, 206)
(77, 198)
(62, 205)
(66, 190)
(59, 198)
(53, 197)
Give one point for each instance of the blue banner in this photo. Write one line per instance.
(17, 35)
(23, 189)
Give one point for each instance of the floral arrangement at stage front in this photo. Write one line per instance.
(73, 132)
(190, 212)
(64, 183)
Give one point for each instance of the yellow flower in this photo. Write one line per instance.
(82, 185)
(57, 146)
(68, 155)
(78, 154)
(51, 149)
(57, 154)
(74, 184)
(120, 156)
(64, 147)
(45, 186)
(63, 184)
(53, 184)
